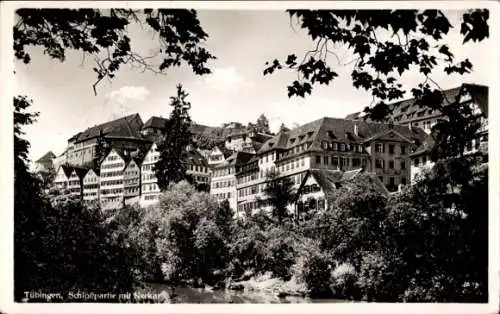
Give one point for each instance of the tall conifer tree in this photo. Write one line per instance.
(171, 167)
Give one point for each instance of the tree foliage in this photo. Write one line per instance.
(385, 44)
(60, 248)
(262, 124)
(280, 193)
(171, 166)
(103, 35)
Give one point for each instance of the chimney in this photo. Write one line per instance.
(356, 130)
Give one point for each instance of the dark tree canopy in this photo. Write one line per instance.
(103, 35)
(171, 167)
(385, 44)
(280, 193)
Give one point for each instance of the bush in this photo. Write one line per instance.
(316, 275)
(280, 253)
(344, 282)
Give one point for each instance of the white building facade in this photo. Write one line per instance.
(149, 184)
(111, 181)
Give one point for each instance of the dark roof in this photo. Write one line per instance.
(80, 172)
(329, 179)
(193, 157)
(339, 130)
(47, 157)
(236, 159)
(126, 127)
(353, 116)
(161, 123)
(406, 107)
(326, 179)
(351, 174)
(425, 148)
(155, 122)
(371, 177)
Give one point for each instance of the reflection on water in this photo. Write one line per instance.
(200, 295)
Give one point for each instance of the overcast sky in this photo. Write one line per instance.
(242, 41)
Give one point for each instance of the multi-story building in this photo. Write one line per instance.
(149, 183)
(408, 112)
(132, 181)
(91, 185)
(223, 181)
(61, 180)
(216, 156)
(197, 167)
(45, 163)
(111, 181)
(330, 143)
(123, 134)
(245, 140)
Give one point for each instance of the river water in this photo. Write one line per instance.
(200, 295)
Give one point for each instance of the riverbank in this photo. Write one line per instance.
(256, 289)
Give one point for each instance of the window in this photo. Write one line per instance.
(403, 164)
(379, 163)
(403, 180)
(356, 162)
(302, 162)
(379, 148)
(335, 161)
(403, 149)
(342, 147)
(415, 162)
(335, 146)
(391, 164)
(424, 159)
(391, 149)
(325, 160)
(391, 181)
(318, 160)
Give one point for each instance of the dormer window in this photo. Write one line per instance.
(309, 134)
(330, 134)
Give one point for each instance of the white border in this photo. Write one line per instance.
(6, 177)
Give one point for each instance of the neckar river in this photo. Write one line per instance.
(201, 295)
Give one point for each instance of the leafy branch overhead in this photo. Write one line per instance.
(384, 44)
(102, 34)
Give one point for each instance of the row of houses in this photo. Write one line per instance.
(123, 178)
(316, 157)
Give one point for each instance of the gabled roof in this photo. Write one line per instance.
(329, 180)
(351, 174)
(95, 170)
(68, 170)
(126, 127)
(193, 157)
(236, 159)
(47, 157)
(156, 123)
(326, 179)
(338, 130)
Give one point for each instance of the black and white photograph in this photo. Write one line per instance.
(241, 153)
